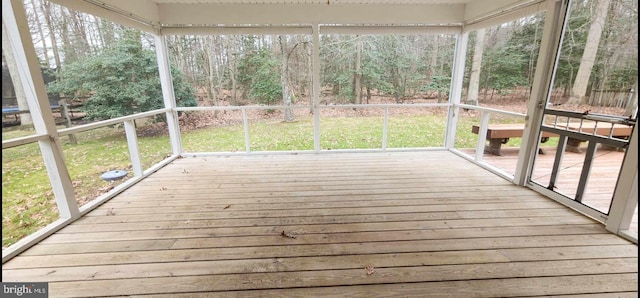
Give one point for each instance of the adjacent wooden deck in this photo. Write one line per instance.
(602, 179)
(340, 225)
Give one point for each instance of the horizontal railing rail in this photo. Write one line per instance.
(489, 110)
(23, 141)
(485, 117)
(137, 168)
(103, 123)
(245, 120)
(574, 128)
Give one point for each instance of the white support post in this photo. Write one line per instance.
(316, 87)
(455, 93)
(385, 130)
(625, 197)
(554, 27)
(164, 68)
(245, 125)
(15, 21)
(134, 152)
(482, 134)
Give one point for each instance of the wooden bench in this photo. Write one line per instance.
(603, 129)
(498, 134)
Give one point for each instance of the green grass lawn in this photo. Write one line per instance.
(27, 199)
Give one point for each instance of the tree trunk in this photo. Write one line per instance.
(80, 33)
(21, 98)
(107, 33)
(532, 55)
(233, 68)
(209, 60)
(357, 82)
(632, 103)
(474, 79)
(434, 60)
(579, 90)
(284, 78)
(67, 46)
(309, 47)
(46, 5)
(36, 17)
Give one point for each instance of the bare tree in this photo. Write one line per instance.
(284, 78)
(212, 70)
(21, 97)
(232, 67)
(474, 79)
(36, 18)
(357, 74)
(46, 8)
(581, 82)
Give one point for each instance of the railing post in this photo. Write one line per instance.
(166, 82)
(132, 143)
(455, 92)
(562, 145)
(625, 197)
(315, 75)
(482, 134)
(554, 26)
(586, 169)
(67, 119)
(385, 122)
(15, 21)
(245, 124)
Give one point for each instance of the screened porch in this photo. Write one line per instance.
(391, 220)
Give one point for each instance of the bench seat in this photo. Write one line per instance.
(602, 129)
(498, 134)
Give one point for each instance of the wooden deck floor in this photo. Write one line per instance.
(339, 225)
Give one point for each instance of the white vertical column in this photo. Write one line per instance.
(482, 134)
(455, 93)
(245, 125)
(625, 197)
(166, 82)
(316, 87)
(549, 53)
(132, 143)
(15, 20)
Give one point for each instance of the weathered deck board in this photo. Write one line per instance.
(426, 223)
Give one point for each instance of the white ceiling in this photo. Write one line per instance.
(326, 2)
(183, 15)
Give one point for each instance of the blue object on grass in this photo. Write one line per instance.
(113, 175)
(9, 110)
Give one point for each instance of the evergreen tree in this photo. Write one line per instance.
(122, 80)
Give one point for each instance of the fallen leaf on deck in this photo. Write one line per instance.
(287, 235)
(227, 207)
(370, 270)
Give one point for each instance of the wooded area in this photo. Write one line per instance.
(598, 64)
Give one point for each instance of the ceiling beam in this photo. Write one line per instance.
(138, 14)
(286, 14)
(477, 11)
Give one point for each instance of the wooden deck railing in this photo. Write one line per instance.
(73, 209)
(140, 173)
